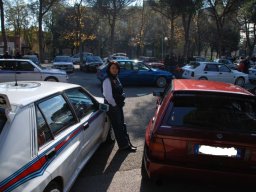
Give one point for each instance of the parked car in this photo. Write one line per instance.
(91, 63)
(26, 70)
(33, 58)
(48, 132)
(202, 129)
(155, 65)
(252, 74)
(64, 63)
(213, 71)
(227, 62)
(76, 57)
(134, 72)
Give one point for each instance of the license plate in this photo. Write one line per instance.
(217, 151)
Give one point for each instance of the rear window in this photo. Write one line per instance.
(212, 112)
(3, 119)
(193, 65)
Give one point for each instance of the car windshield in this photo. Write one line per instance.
(93, 59)
(213, 112)
(61, 59)
(3, 119)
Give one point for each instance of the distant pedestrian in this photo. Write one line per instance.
(6, 55)
(244, 65)
(18, 55)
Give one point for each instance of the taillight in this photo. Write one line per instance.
(156, 148)
(192, 74)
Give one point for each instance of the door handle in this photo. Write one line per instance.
(220, 73)
(86, 125)
(18, 72)
(205, 72)
(50, 154)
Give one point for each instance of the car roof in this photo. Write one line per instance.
(30, 91)
(15, 60)
(207, 86)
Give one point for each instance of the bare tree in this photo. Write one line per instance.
(111, 9)
(3, 25)
(41, 7)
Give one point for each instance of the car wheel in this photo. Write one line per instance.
(240, 81)
(53, 79)
(53, 187)
(203, 78)
(161, 82)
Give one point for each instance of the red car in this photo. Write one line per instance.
(202, 129)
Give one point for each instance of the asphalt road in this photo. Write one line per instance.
(113, 171)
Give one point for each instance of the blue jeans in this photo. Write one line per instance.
(116, 116)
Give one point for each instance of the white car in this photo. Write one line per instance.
(215, 72)
(48, 132)
(252, 74)
(26, 70)
(227, 62)
(64, 63)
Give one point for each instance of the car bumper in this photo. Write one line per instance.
(161, 170)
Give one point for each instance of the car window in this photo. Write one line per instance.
(223, 68)
(212, 112)
(128, 65)
(3, 119)
(44, 133)
(211, 67)
(193, 65)
(7, 65)
(25, 66)
(140, 66)
(81, 101)
(57, 113)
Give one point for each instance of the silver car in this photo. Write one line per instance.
(26, 70)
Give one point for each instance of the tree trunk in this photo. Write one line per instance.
(112, 34)
(40, 32)
(186, 20)
(172, 34)
(3, 26)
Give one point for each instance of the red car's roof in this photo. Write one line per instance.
(209, 86)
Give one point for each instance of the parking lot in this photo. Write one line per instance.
(110, 170)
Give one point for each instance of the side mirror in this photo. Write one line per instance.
(158, 94)
(104, 107)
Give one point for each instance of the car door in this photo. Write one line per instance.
(91, 119)
(27, 71)
(142, 74)
(211, 72)
(59, 137)
(7, 71)
(127, 74)
(225, 74)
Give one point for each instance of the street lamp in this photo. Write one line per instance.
(164, 39)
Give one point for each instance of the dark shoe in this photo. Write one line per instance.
(128, 149)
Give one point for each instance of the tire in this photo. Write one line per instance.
(203, 78)
(240, 81)
(53, 79)
(161, 82)
(53, 187)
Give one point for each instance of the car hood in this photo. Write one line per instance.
(159, 71)
(94, 63)
(239, 73)
(62, 63)
(49, 70)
